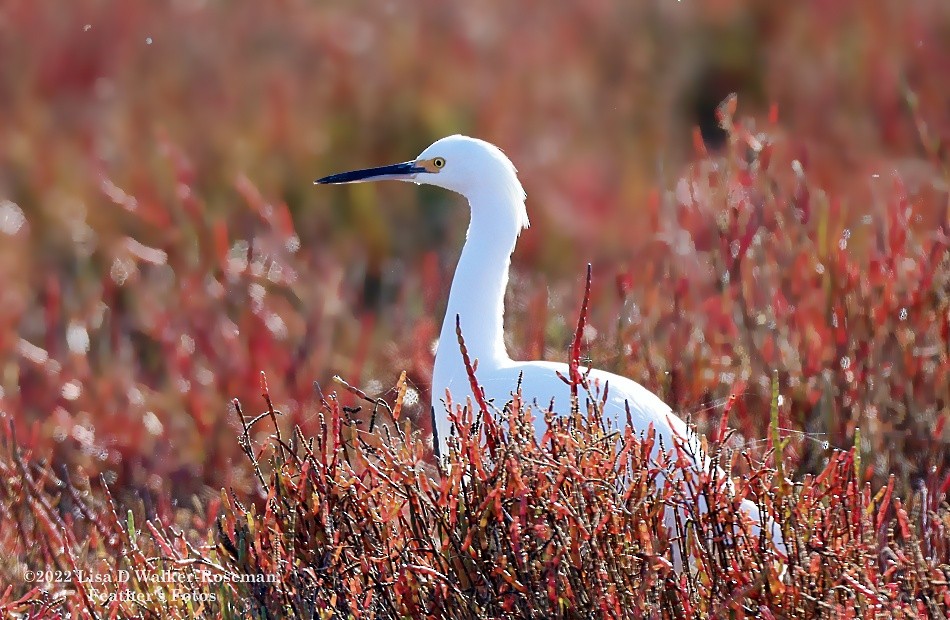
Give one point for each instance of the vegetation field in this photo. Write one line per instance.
(214, 376)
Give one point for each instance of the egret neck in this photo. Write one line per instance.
(477, 295)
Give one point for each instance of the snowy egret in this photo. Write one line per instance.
(481, 173)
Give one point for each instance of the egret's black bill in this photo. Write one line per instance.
(402, 171)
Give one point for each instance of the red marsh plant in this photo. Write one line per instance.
(160, 249)
(357, 522)
(339, 497)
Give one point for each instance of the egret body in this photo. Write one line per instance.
(481, 173)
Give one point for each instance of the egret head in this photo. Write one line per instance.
(468, 166)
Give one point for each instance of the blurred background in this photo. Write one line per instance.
(161, 242)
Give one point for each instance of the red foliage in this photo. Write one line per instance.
(161, 247)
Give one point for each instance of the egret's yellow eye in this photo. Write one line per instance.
(438, 162)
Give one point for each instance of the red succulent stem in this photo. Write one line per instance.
(476, 389)
(575, 375)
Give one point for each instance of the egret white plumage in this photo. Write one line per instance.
(481, 173)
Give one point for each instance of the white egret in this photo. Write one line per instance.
(481, 173)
